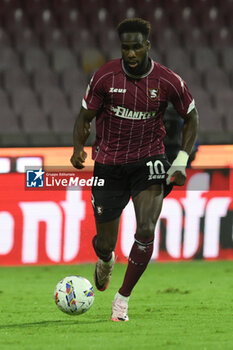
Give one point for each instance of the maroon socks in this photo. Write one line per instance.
(139, 258)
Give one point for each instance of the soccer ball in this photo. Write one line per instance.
(74, 295)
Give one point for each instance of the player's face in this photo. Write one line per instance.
(134, 50)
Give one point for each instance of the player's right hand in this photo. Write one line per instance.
(78, 158)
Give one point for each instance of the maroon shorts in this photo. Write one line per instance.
(124, 181)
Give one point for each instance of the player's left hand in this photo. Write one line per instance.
(178, 178)
(176, 173)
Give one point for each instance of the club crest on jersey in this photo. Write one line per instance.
(99, 209)
(153, 93)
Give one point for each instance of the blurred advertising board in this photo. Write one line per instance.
(55, 225)
(209, 156)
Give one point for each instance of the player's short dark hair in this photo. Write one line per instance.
(134, 25)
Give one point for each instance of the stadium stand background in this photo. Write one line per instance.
(50, 48)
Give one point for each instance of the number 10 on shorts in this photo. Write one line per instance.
(156, 170)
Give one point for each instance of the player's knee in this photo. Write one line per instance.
(145, 230)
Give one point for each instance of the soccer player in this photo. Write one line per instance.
(128, 98)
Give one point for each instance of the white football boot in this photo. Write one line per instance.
(103, 273)
(120, 308)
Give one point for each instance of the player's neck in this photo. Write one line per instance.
(145, 72)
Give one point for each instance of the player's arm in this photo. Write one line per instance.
(80, 134)
(190, 129)
(177, 173)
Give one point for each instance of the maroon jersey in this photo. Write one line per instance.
(129, 119)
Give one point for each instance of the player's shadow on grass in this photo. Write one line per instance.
(51, 323)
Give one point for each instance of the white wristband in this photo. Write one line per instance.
(179, 164)
(181, 159)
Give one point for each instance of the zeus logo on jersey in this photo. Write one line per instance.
(112, 89)
(129, 114)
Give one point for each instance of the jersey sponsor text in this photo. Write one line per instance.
(129, 114)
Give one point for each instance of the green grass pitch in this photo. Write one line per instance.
(175, 306)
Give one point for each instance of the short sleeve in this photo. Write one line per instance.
(95, 93)
(179, 95)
